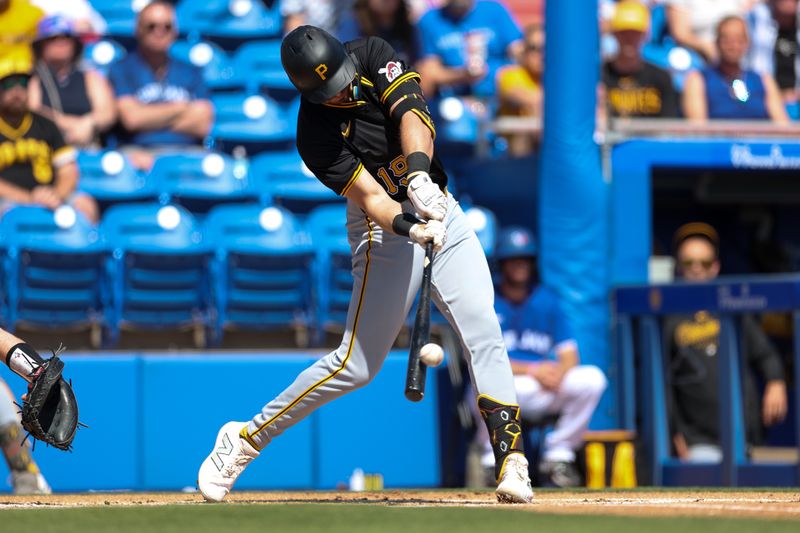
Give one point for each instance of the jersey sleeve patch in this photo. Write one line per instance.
(392, 70)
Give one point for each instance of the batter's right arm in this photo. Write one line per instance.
(388, 214)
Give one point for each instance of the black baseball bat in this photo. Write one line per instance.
(421, 334)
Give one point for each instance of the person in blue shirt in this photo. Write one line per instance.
(162, 102)
(729, 91)
(463, 43)
(544, 358)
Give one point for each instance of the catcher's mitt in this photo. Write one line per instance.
(50, 411)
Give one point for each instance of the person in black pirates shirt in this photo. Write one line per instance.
(36, 165)
(634, 87)
(692, 343)
(365, 131)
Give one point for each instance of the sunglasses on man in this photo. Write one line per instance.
(151, 27)
(705, 263)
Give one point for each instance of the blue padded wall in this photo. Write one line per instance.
(378, 430)
(106, 454)
(154, 418)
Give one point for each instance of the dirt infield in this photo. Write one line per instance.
(755, 504)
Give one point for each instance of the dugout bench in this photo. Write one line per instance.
(637, 331)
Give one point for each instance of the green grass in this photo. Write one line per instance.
(348, 518)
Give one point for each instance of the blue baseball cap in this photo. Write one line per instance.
(516, 241)
(54, 26)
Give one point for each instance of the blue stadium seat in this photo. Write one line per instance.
(198, 181)
(334, 280)
(109, 177)
(257, 67)
(209, 57)
(457, 127)
(263, 269)
(159, 268)
(120, 15)
(229, 22)
(53, 268)
(252, 121)
(102, 54)
(283, 178)
(484, 223)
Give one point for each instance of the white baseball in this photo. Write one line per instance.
(431, 354)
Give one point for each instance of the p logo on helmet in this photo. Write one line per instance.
(321, 69)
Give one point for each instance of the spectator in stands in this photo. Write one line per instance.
(693, 23)
(162, 102)
(520, 89)
(693, 345)
(80, 102)
(544, 358)
(84, 18)
(18, 21)
(387, 19)
(463, 43)
(326, 14)
(776, 38)
(728, 91)
(36, 165)
(633, 87)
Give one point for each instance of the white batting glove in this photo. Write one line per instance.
(427, 198)
(433, 230)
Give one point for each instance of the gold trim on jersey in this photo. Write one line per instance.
(405, 77)
(366, 82)
(495, 400)
(15, 133)
(348, 105)
(426, 120)
(352, 179)
(249, 436)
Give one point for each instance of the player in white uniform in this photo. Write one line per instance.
(544, 357)
(365, 131)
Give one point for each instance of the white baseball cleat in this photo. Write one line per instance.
(228, 459)
(515, 484)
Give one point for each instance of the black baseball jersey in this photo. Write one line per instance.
(337, 141)
(30, 152)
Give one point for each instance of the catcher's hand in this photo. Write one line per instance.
(49, 410)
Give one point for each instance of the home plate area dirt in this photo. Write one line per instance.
(755, 504)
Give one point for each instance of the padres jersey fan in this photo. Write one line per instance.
(365, 132)
(32, 149)
(30, 152)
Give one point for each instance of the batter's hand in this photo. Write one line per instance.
(427, 198)
(433, 230)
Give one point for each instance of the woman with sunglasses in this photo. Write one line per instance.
(727, 90)
(79, 101)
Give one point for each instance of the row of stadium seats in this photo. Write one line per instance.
(153, 266)
(254, 66)
(199, 181)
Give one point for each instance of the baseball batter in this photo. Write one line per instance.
(365, 131)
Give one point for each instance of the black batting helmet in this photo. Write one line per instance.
(316, 63)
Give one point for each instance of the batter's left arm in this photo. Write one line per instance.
(415, 136)
(416, 140)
